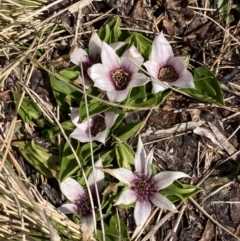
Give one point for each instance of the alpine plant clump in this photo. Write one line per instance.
(144, 188)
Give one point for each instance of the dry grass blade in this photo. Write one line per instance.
(25, 215)
(22, 215)
(212, 219)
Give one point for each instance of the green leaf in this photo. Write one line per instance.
(223, 9)
(116, 110)
(39, 157)
(70, 73)
(105, 34)
(64, 95)
(178, 191)
(187, 60)
(116, 230)
(60, 86)
(107, 156)
(69, 163)
(119, 121)
(128, 130)
(124, 154)
(118, 227)
(222, 6)
(139, 102)
(143, 44)
(136, 98)
(86, 150)
(28, 109)
(207, 87)
(143, 92)
(111, 31)
(162, 96)
(94, 109)
(94, 106)
(50, 133)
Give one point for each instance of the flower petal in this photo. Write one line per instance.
(161, 49)
(110, 119)
(131, 60)
(79, 56)
(110, 60)
(127, 197)
(152, 68)
(140, 157)
(122, 175)
(138, 79)
(87, 227)
(101, 136)
(84, 126)
(68, 208)
(96, 175)
(87, 81)
(118, 45)
(95, 45)
(117, 95)
(81, 132)
(74, 115)
(148, 164)
(157, 86)
(71, 189)
(132, 52)
(185, 80)
(143, 163)
(162, 202)
(101, 77)
(136, 231)
(178, 64)
(142, 211)
(165, 179)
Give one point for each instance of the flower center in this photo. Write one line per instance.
(83, 205)
(120, 79)
(143, 187)
(98, 125)
(167, 74)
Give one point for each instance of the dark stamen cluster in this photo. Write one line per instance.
(167, 74)
(143, 187)
(83, 205)
(98, 125)
(120, 79)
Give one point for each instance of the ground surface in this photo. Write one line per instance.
(194, 28)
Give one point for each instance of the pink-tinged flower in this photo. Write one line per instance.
(169, 70)
(116, 75)
(98, 125)
(79, 55)
(144, 188)
(80, 198)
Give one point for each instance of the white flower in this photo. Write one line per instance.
(144, 188)
(169, 70)
(80, 198)
(98, 125)
(79, 55)
(116, 75)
